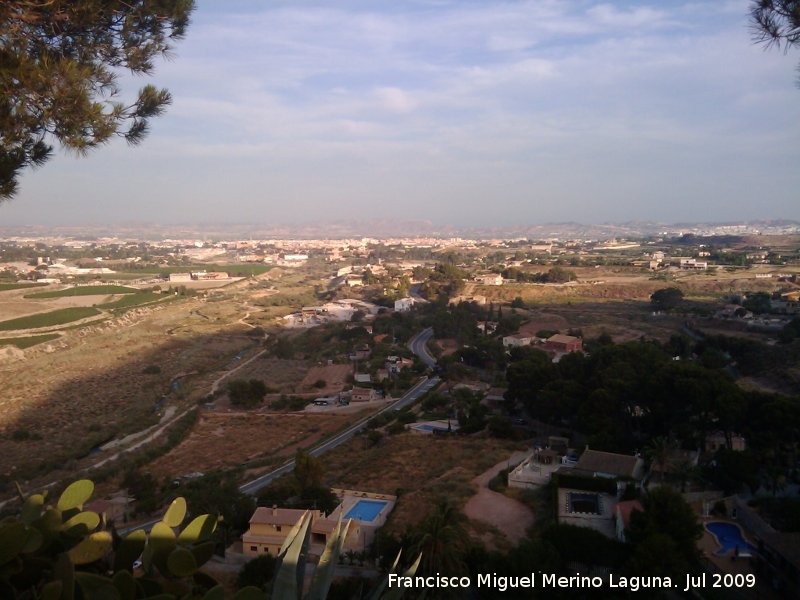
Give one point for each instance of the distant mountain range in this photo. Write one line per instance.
(389, 228)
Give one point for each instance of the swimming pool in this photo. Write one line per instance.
(729, 536)
(366, 510)
(426, 427)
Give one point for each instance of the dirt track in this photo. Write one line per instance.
(511, 517)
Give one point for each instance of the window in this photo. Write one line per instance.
(277, 527)
(254, 548)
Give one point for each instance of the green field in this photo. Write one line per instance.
(235, 270)
(85, 290)
(133, 300)
(49, 319)
(27, 342)
(18, 286)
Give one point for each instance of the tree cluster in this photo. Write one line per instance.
(623, 396)
(554, 275)
(246, 393)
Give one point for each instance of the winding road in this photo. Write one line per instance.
(417, 345)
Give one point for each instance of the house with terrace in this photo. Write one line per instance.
(270, 526)
(589, 492)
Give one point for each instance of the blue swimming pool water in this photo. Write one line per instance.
(729, 536)
(427, 427)
(365, 510)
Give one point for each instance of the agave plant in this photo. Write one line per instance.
(290, 572)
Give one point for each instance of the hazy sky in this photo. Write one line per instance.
(461, 112)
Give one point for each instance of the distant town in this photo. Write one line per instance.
(541, 396)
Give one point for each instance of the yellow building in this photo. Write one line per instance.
(367, 512)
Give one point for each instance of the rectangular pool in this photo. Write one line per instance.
(366, 510)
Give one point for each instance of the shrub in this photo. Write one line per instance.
(257, 572)
(246, 394)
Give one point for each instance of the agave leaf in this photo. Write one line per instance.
(292, 534)
(376, 593)
(75, 495)
(176, 512)
(397, 593)
(327, 562)
(291, 568)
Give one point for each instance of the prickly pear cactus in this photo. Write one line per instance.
(62, 552)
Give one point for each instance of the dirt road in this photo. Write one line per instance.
(509, 516)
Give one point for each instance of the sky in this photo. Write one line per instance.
(460, 112)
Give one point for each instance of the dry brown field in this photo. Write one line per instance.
(226, 440)
(282, 375)
(88, 387)
(334, 376)
(421, 469)
(606, 284)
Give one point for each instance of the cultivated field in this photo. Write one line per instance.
(4, 287)
(85, 290)
(49, 319)
(29, 341)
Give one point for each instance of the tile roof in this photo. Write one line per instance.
(597, 461)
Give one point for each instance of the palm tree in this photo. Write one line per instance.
(443, 540)
(659, 451)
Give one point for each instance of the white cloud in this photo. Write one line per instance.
(469, 96)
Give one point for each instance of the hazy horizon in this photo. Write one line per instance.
(464, 114)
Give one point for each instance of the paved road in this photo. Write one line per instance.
(417, 346)
(423, 386)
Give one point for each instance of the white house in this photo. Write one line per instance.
(516, 340)
(403, 304)
(493, 279)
